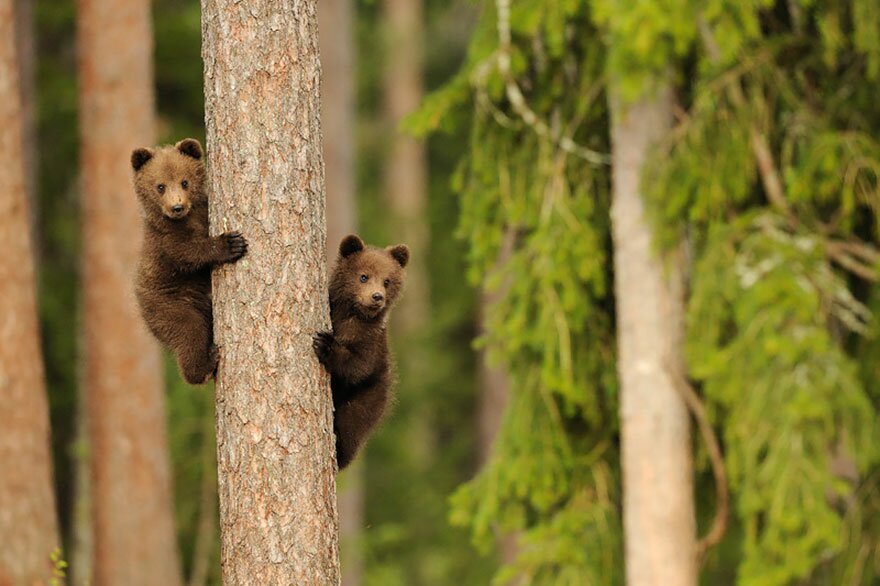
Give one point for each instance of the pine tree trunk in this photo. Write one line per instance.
(28, 521)
(276, 470)
(405, 169)
(338, 119)
(658, 507)
(25, 41)
(132, 506)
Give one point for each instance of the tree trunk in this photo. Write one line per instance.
(25, 34)
(276, 471)
(28, 521)
(338, 119)
(406, 190)
(658, 507)
(405, 168)
(134, 534)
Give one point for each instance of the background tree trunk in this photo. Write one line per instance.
(406, 190)
(25, 42)
(658, 507)
(134, 541)
(28, 520)
(405, 168)
(276, 471)
(338, 120)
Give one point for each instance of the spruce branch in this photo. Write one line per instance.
(763, 155)
(853, 256)
(518, 101)
(713, 448)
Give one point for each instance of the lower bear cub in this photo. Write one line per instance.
(365, 283)
(173, 285)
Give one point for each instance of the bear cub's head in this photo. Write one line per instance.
(367, 279)
(170, 180)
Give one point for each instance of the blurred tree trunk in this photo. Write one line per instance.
(658, 507)
(406, 190)
(134, 534)
(25, 41)
(494, 394)
(276, 472)
(405, 168)
(28, 520)
(494, 397)
(338, 121)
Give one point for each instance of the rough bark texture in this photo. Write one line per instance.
(134, 537)
(658, 508)
(338, 99)
(277, 476)
(28, 522)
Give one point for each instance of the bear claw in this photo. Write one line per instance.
(321, 343)
(236, 245)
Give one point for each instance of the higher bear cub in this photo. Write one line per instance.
(173, 284)
(364, 285)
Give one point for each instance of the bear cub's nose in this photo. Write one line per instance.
(177, 209)
(377, 297)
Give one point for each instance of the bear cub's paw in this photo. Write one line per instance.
(236, 245)
(213, 361)
(322, 343)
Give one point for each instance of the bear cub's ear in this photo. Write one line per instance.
(190, 147)
(400, 253)
(350, 244)
(139, 158)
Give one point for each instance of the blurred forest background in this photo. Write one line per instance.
(487, 136)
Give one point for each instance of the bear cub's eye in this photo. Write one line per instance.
(184, 183)
(387, 282)
(364, 278)
(161, 188)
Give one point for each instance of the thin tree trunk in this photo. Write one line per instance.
(406, 190)
(134, 536)
(276, 470)
(338, 119)
(658, 506)
(494, 397)
(25, 41)
(206, 530)
(28, 521)
(405, 168)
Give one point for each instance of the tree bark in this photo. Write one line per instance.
(276, 470)
(658, 507)
(338, 119)
(28, 521)
(134, 534)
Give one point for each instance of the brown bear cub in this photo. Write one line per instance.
(365, 283)
(173, 285)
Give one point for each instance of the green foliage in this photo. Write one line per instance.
(758, 287)
(535, 221)
(59, 568)
(772, 318)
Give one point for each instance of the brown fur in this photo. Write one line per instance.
(356, 352)
(173, 285)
